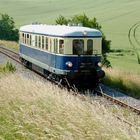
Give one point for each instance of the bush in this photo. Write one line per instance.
(7, 28)
(7, 68)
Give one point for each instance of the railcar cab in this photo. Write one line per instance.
(85, 46)
(76, 46)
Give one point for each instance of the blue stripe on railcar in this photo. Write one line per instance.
(55, 60)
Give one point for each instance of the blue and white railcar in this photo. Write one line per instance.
(71, 51)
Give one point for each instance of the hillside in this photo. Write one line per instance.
(32, 108)
(116, 18)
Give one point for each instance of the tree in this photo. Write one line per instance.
(92, 23)
(7, 28)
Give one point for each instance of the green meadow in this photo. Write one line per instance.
(116, 18)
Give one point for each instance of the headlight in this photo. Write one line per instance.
(99, 64)
(69, 64)
(100, 74)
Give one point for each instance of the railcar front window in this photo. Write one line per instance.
(61, 46)
(78, 46)
(89, 46)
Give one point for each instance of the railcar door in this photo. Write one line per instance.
(78, 49)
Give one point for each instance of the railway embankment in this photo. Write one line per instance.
(34, 108)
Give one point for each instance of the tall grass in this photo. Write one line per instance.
(31, 108)
(10, 44)
(8, 67)
(125, 81)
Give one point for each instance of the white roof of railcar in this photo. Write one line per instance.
(61, 30)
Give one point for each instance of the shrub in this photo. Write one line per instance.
(7, 28)
(8, 68)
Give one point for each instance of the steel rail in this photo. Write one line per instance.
(8, 50)
(116, 101)
(13, 55)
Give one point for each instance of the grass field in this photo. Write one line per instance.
(116, 18)
(125, 81)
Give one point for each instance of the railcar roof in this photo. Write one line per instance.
(61, 30)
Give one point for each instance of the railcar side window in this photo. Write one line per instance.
(22, 37)
(78, 46)
(30, 39)
(50, 49)
(39, 42)
(25, 39)
(42, 42)
(46, 43)
(61, 46)
(55, 45)
(89, 46)
(36, 41)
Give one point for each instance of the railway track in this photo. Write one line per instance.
(11, 54)
(115, 101)
(15, 56)
(100, 92)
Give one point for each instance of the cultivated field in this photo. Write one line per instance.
(116, 18)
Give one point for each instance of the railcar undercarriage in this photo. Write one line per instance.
(81, 80)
